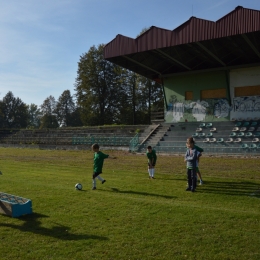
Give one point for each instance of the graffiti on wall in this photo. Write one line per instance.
(246, 104)
(197, 110)
(246, 107)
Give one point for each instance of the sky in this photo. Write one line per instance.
(41, 41)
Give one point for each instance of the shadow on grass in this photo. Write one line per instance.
(230, 188)
(139, 193)
(31, 223)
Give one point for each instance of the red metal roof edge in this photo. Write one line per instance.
(219, 25)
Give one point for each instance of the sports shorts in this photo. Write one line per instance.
(95, 174)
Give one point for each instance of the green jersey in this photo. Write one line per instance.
(98, 161)
(198, 149)
(152, 157)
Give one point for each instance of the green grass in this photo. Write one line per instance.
(130, 216)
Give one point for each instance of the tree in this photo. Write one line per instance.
(34, 116)
(65, 107)
(97, 89)
(49, 117)
(13, 112)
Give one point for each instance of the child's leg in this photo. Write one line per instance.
(153, 170)
(150, 171)
(189, 179)
(94, 182)
(193, 179)
(199, 174)
(100, 178)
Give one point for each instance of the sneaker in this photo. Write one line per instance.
(192, 190)
(153, 178)
(201, 182)
(188, 189)
(94, 188)
(103, 181)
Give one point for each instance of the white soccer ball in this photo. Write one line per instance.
(78, 186)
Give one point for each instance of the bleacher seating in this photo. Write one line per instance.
(223, 140)
(105, 135)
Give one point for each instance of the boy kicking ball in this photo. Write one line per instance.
(99, 158)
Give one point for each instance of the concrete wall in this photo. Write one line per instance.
(211, 109)
(181, 110)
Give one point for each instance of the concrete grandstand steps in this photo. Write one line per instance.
(175, 138)
(65, 135)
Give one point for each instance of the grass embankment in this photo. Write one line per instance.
(130, 216)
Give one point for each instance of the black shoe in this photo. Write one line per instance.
(94, 188)
(192, 190)
(188, 189)
(153, 178)
(103, 181)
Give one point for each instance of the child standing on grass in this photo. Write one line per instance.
(191, 157)
(99, 158)
(152, 157)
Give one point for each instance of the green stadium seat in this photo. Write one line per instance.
(248, 134)
(241, 134)
(202, 125)
(233, 134)
(257, 134)
(252, 146)
(208, 125)
(220, 140)
(254, 123)
(209, 135)
(244, 146)
(246, 123)
(238, 124)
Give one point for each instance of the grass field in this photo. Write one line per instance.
(130, 216)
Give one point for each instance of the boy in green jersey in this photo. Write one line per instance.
(99, 158)
(152, 157)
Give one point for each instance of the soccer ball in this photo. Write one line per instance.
(78, 186)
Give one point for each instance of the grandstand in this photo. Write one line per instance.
(230, 137)
(74, 138)
(210, 75)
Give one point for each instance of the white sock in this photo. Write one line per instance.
(150, 172)
(100, 178)
(94, 182)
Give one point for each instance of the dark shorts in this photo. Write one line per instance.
(95, 174)
(152, 164)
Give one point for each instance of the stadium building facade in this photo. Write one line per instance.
(210, 71)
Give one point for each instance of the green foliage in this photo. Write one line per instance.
(130, 216)
(107, 93)
(34, 114)
(13, 112)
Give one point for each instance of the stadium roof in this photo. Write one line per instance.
(233, 41)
